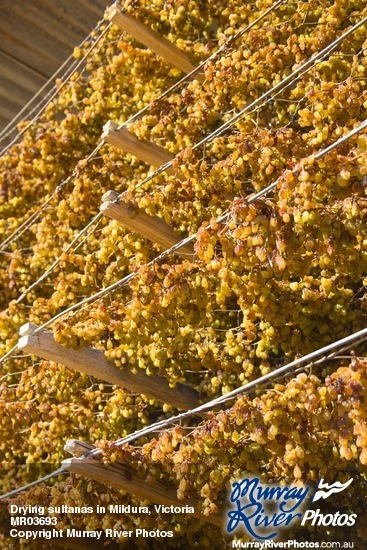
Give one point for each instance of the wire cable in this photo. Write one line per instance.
(192, 237)
(29, 221)
(346, 343)
(201, 66)
(57, 91)
(183, 242)
(129, 121)
(8, 130)
(187, 240)
(334, 348)
(300, 71)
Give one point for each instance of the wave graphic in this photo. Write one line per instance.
(324, 490)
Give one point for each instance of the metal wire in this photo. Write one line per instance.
(57, 92)
(346, 343)
(134, 117)
(62, 470)
(201, 66)
(27, 223)
(191, 238)
(162, 96)
(300, 71)
(7, 131)
(334, 348)
(247, 110)
(9, 354)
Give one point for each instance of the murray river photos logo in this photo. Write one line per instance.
(263, 510)
(323, 490)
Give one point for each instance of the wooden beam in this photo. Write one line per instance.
(93, 362)
(78, 448)
(151, 39)
(121, 476)
(146, 151)
(150, 227)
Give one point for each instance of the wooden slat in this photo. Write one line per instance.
(77, 448)
(150, 227)
(146, 151)
(120, 476)
(145, 35)
(93, 362)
